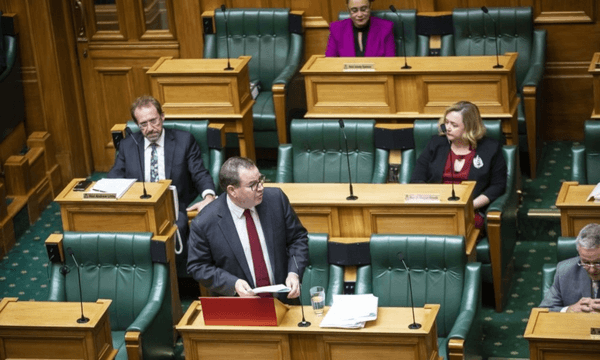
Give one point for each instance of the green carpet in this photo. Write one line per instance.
(24, 270)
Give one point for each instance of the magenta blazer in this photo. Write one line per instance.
(380, 41)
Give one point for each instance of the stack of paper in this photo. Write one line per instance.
(109, 189)
(351, 311)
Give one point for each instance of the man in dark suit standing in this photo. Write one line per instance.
(165, 154)
(249, 237)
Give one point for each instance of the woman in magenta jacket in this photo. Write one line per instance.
(361, 35)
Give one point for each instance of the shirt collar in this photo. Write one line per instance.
(160, 142)
(235, 210)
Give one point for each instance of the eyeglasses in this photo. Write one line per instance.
(595, 266)
(261, 181)
(152, 122)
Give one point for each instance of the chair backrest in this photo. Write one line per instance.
(408, 18)
(116, 266)
(474, 34)
(263, 34)
(319, 151)
(592, 151)
(437, 267)
(565, 249)
(319, 272)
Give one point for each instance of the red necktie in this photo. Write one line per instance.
(260, 268)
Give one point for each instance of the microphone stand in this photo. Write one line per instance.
(414, 325)
(137, 146)
(453, 197)
(82, 319)
(226, 38)
(406, 66)
(485, 10)
(352, 196)
(302, 323)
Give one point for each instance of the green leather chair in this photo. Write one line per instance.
(474, 36)
(495, 251)
(440, 275)
(10, 50)
(119, 266)
(317, 153)
(565, 249)
(266, 35)
(416, 45)
(586, 157)
(319, 272)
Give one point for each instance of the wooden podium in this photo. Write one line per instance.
(49, 330)
(388, 337)
(554, 335)
(382, 209)
(202, 89)
(575, 211)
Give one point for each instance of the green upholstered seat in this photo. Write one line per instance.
(319, 272)
(585, 167)
(276, 54)
(416, 45)
(10, 50)
(119, 267)
(495, 250)
(474, 36)
(440, 275)
(565, 249)
(317, 153)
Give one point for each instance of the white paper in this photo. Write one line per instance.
(272, 289)
(112, 186)
(595, 194)
(351, 311)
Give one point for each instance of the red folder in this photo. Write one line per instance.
(242, 311)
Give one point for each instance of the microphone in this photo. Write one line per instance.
(393, 8)
(82, 319)
(352, 196)
(137, 147)
(302, 323)
(414, 325)
(453, 197)
(223, 8)
(485, 10)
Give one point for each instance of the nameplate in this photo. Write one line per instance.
(422, 198)
(359, 67)
(595, 333)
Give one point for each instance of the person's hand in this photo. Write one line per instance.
(201, 204)
(293, 282)
(243, 289)
(585, 305)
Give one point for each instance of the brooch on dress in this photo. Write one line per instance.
(477, 162)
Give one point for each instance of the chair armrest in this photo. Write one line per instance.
(217, 157)
(284, 164)
(57, 284)
(155, 299)
(381, 167)
(363, 280)
(422, 45)
(336, 280)
(10, 46)
(210, 46)
(293, 61)
(548, 271)
(538, 60)
(578, 166)
(510, 195)
(133, 344)
(447, 47)
(407, 166)
(470, 302)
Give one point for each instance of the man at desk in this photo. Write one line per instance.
(165, 154)
(249, 237)
(577, 280)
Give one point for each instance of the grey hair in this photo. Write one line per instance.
(589, 237)
(230, 171)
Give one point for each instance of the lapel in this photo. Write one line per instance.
(140, 147)
(230, 234)
(348, 40)
(371, 45)
(586, 283)
(266, 223)
(169, 152)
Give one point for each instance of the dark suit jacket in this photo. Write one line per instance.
(491, 177)
(216, 258)
(183, 164)
(571, 283)
(380, 41)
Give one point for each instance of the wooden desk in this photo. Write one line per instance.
(388, 337)
(381, 209)
(392, 94)
(594, 70)
(49, 330)
(555, 335)
(575, 211)
(201, 89)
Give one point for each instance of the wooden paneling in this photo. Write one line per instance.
(561, 11)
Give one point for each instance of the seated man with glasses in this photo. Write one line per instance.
(577, 281)
(249, 237)
(165, 154)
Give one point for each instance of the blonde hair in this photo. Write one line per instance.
(474, 128)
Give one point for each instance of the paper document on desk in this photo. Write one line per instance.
(272, 289)
(109, 189)
(595, 194)
(351, 311)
